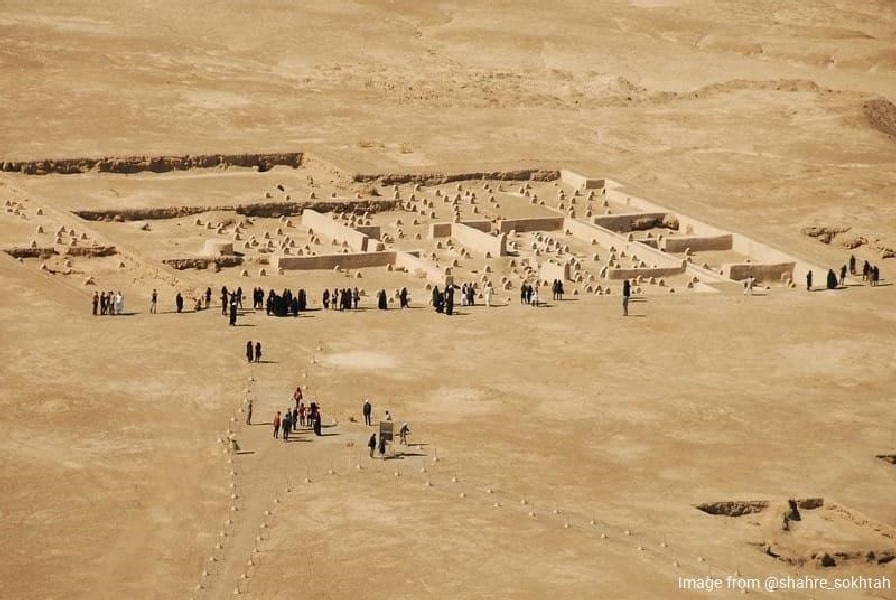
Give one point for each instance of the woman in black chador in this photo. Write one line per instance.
(403, 298)
(832, 280)
(303, 301)
(382, 302)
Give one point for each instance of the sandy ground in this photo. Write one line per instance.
(748, 116)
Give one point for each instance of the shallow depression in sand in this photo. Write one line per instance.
(360, 360)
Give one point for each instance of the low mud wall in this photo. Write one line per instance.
(524, 225)
(624, 223)
(645, 272)
(440, 178)
(31, 252)
(349, 260)
(581, 182)
(480, 241)
(697, 243)
(151, 164)
(261, 209)
(763, 271)
(323, 224)
(203, 263)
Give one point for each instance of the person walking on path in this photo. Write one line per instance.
(626, 295)
(371, 443)
(366, 410)
(277, 424)
(257, 351)
(250, 353)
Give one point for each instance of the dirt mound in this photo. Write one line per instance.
(153, 164)
(842, 236)
(441, 178)
(881, 115)
(259, 209)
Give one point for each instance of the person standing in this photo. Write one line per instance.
(277, 424)
(488, 294)
(383, 447)
(232, 320)
(257, 351)
(119, 303)
(403, 298)
(809, 281)
(179, 303)
(250, 352)
(104, 303)
(843, 275)
(403, 434)
(208, 297)
(249, 412)
(366, 410)
(95, 302)
(297, 396)
(626, 295)
(287, 424)
(153, 302)
(852, 264)
(371, 443)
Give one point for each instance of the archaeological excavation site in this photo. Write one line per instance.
(368, 299)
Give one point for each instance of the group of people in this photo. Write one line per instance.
(253, 352)
(372, 443)
(289, 420)
(529, 294)
(443, 302)
(557, 289)
(341, 299)
(110, 303)
(870, 274)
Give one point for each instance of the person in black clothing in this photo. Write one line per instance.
(852, 264)
(382, 301)
(257, 351)
(366, 410)
(626, 294)
(326, 299)
(250, 352)
(225, 297)
(303, 300)
(832, 280)
(449, 300)
(403, 298)
(179, 302)
(371, 443)
(233, 309)
(809, 281)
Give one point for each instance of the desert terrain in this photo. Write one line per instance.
(563, 450)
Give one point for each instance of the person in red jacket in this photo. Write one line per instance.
(277, 424)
